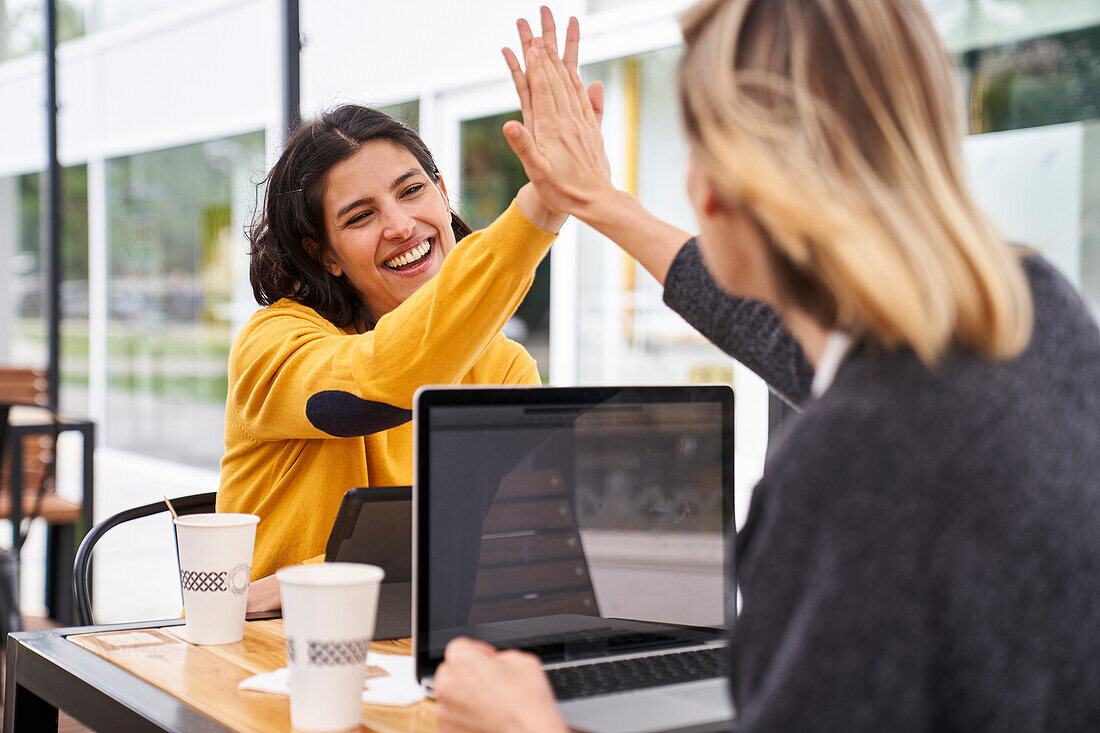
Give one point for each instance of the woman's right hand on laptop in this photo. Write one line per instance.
(478, 688)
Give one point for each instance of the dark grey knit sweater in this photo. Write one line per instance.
(923, 550)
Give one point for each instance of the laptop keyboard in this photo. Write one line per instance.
(634, 674)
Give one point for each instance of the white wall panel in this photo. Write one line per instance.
(22, 116)
(207, 69)
(396, 50)
(197, 74)
(201, 80)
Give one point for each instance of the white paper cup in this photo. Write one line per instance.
(215, 553)
(328, 619)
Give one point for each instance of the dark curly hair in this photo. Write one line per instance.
(293, 212)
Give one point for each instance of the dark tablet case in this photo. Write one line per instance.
(374, 525)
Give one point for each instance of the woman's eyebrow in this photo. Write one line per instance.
(404, 177)
(370, 199)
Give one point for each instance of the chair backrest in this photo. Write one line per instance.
(82, 566)
(23, 386)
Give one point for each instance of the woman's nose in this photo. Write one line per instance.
(398, 225)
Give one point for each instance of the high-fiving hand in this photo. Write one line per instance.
(559, 142)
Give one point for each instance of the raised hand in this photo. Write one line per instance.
(559, 142)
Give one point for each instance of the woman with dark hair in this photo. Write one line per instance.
(372, 287)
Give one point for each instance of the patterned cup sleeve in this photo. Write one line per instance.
(329, 653)
(234, 581)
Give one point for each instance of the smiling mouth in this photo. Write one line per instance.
(410, 259)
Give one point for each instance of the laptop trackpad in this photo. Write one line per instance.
(653, 709)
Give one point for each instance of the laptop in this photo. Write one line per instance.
(374, 526)
(585, 525)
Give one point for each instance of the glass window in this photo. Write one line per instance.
(626, 334)
(175, 219)
(407, 112)
(491, 176)
(970, 24)
(1042, 81)
(23, 332)
(1034, 115)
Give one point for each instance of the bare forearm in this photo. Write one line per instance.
(651, 241)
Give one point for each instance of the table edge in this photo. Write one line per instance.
(93, 690)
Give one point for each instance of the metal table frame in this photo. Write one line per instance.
(47, 673)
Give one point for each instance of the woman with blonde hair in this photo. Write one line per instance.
(919, 553)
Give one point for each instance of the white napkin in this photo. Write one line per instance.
(400, 687)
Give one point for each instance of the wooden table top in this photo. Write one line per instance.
(206, 677)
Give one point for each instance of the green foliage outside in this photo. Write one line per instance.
(74, 220)
(1043, 81)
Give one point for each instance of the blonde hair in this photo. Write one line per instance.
(834, 124)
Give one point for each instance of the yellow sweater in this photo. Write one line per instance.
(314, 410)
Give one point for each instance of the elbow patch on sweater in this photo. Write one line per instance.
(343, 415)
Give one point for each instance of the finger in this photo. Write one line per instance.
(546, 76)
(549, 31)
(511, 60)
(523, 145)
(582, 102)
(462, 647)
(519, 79)
(595, 98)
(543, 102)
(572, 43)
(522, 663)
(477, 646)
(563, 89)
(525, 34)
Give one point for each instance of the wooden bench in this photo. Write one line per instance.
(26, 433)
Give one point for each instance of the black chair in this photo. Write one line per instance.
(82, 567)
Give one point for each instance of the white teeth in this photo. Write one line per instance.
(411, 256)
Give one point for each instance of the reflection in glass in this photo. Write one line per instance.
(586, 502)
(175, 218)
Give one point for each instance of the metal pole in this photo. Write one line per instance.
(292, 48)
(52, 234)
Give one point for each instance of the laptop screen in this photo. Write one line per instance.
(540, 511)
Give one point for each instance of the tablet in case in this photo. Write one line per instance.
(374, 526)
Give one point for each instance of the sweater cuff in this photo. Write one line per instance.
(684, 275)
(529, 243)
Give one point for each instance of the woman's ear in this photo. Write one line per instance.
(706, 199)
(713, 203)
(323, 258)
